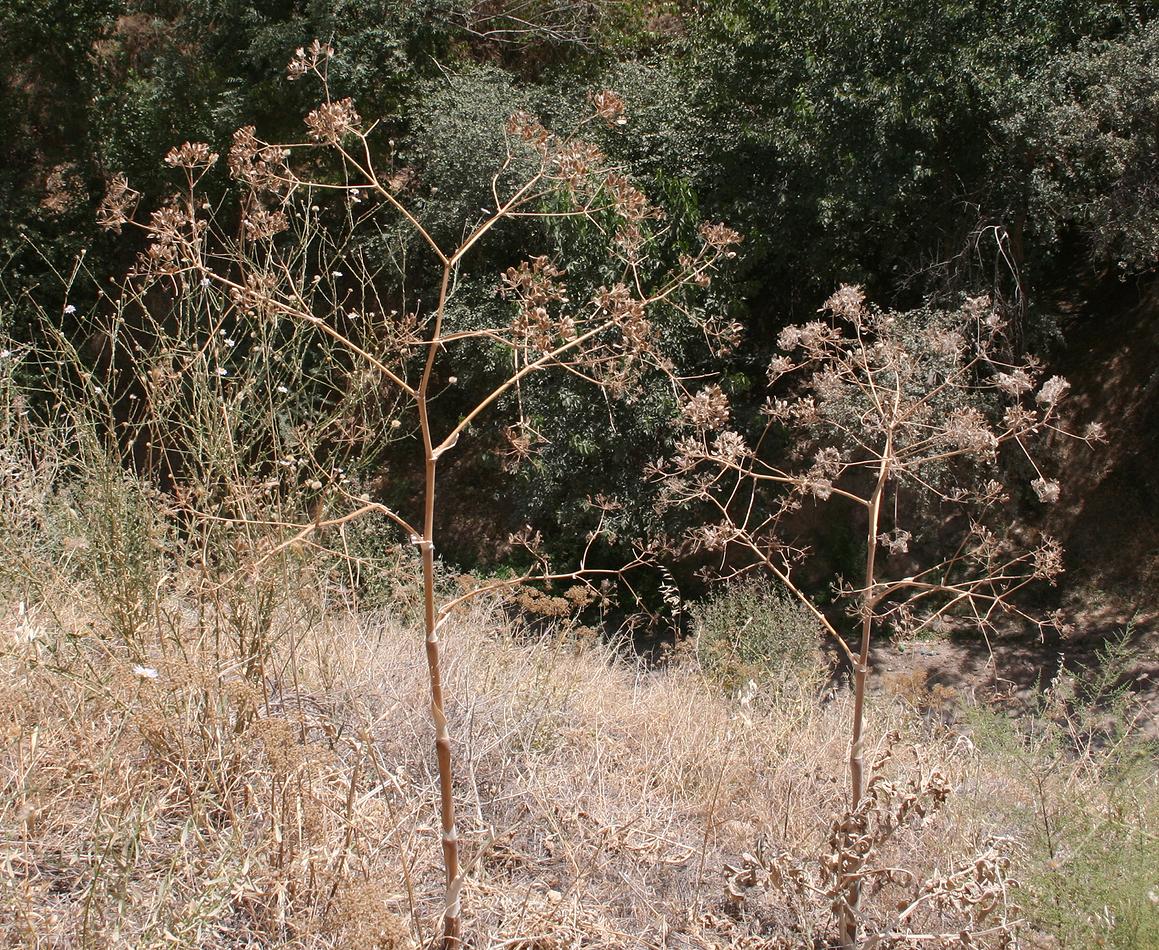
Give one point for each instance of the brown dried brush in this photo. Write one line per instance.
(891, 413)
(971, 903)
(608, 339)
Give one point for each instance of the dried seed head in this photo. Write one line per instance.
(117, 205)
(720, 237)
(609, 107)
(1047, 490)
(191, 155)
(261, 224)
(257, 164)
(1052, 391)
(708, 409)
(525, 126)
(332, 120)
(848, 303)
(308, 58)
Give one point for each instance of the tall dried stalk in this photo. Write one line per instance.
(263, 276)
(903, 415)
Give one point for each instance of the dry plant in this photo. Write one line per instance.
(974, 892)
(900, 418)
(259, 281)
(170, 802)
(514, 22)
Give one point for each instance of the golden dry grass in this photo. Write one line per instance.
(599, 801)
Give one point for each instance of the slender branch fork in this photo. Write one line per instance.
(892, 419)
(605, 341)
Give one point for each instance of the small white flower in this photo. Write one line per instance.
(70, 309)
(204, 281)
(221, 371)
(336, 274)
(4, 354)
(283, 390)
(145, 672)
(452, 380)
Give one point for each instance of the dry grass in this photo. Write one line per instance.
(273, 784)
(599, 801)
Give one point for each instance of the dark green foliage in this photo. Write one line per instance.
(1089, 123)
(866, 142)
(915, 146)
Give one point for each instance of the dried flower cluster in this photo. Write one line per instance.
(536, 287)
(708, 409)
(257, 164)
(117, 207)
(190, 156)
(332, 121)
(261, 224)
(64, 189)
(609, 107)
(322, 282)
(970, 905)
(308, 59)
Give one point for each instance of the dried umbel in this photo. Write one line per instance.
(609, 107)
(332, 121)
(309, 58)
(537, 288)
(720, 237)
(64, 189)
(117, 206)
(708, 409)
(257, 164)
(327, 279)
(1047, 490)
(260, 224)
(1052, 391)
(629, 313)
(575, 166)
(529, 129)
(190, 156)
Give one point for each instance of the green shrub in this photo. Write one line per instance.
(1085, 805)
(755, 631)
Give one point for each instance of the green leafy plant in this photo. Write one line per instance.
(755, 631)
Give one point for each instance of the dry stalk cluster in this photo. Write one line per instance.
(902, 420)
(967, 906)
(263, 277)
(209, 740)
